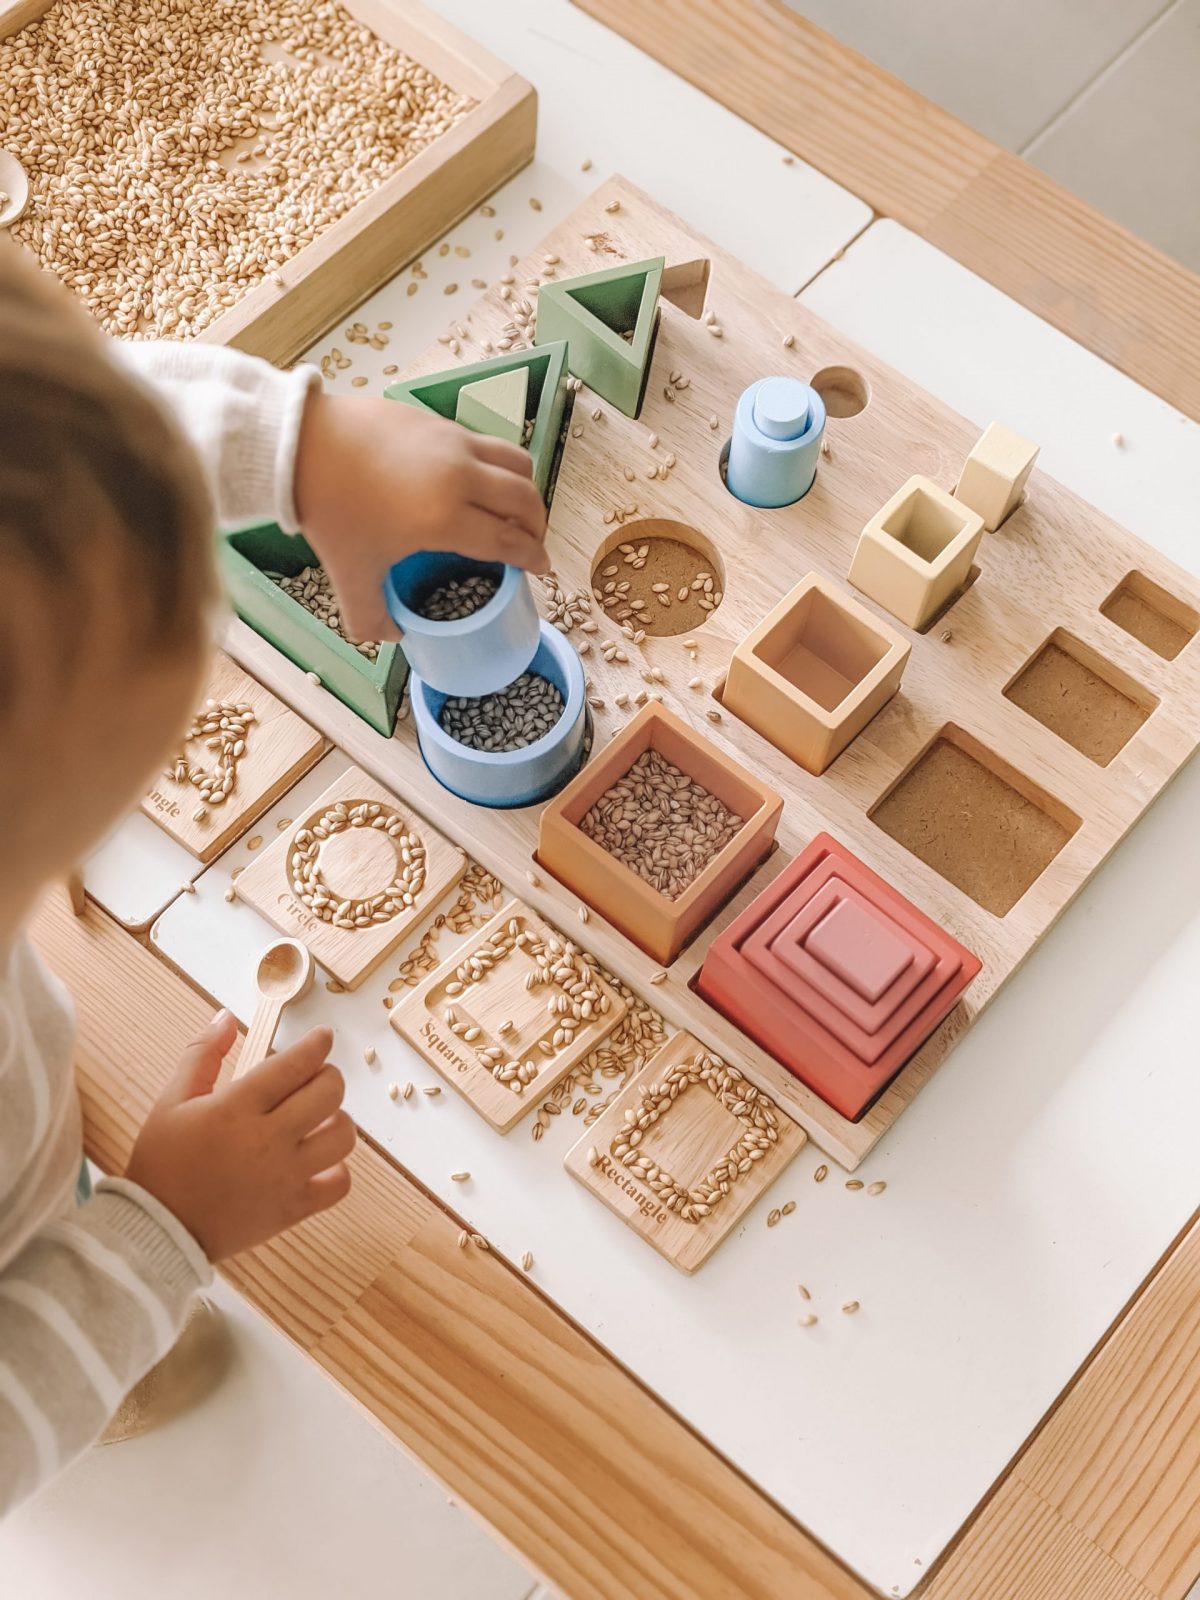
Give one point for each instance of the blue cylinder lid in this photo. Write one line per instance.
(781, 408)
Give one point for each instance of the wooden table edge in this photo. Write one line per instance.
(566, 1456)
(910, 160)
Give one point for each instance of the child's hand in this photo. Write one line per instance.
(376, 481)
(239, 1164)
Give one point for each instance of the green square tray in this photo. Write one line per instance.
(372, 688)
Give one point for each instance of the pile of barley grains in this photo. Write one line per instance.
(312, 589)
(459, 598)
(661, 824)
(510, 719)
(179, 154)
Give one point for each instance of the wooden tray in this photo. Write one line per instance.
(408, 211)
(1051, 572)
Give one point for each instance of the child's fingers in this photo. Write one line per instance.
(325, 1189)
(201, 1061)
(500, 453)
(325, 1146)
(505, 495)
(312, 1103)
(273, 1080)
(489, 538)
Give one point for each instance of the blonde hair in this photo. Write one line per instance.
(90, 465)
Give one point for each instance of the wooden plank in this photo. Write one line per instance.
(452, 1352)
(1053, 565)
(913, 161)
(1121, 1459)
(17, 14)
(1024, 1548)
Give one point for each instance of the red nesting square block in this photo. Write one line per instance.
(836, 974)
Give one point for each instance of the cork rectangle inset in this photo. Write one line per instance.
(1156, 618)
(964, 811)
(1072, 690)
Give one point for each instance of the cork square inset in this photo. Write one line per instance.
(684, 1150)
(843, 1047)
(975, 819)
(354, 875)
(1152, 615)
(240, 752)
(1085, 699)
(510, 1014)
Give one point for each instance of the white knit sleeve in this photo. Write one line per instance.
(241, 415)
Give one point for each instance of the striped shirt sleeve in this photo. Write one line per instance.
(87, 1307)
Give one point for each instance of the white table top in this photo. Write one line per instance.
(1039, 1176)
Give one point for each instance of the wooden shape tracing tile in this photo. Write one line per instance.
(352, 877)
(510, 1014)
(242, 750)
(685, 1150)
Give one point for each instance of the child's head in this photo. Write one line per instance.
(106, 583)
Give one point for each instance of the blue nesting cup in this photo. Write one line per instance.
(509, 778)
(476, 654)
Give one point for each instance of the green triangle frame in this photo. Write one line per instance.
(546, 402)
(591, 313)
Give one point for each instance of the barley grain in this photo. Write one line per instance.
(821, 1173)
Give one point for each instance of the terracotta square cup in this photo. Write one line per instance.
(659, 926)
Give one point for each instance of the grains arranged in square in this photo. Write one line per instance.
(352, 877)
(242, 750)
(510, 1014)
(684, 1150)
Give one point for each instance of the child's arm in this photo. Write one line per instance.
(367, 480)
(95, 1298)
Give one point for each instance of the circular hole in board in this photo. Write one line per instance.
(844, 391)
(678, 556)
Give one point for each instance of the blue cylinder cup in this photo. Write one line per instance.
(474, 655)
(507, 778)
(776, 442)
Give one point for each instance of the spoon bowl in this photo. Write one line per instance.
(15, 184)
(285, 971)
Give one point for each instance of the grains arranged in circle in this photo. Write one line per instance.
(311, 588)
(524, 712)
(178, 154)
(304, 865)
(661, 824)
(460, 597)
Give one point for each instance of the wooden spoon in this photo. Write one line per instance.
(15, 185)
(285, 973)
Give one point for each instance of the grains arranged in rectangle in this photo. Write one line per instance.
(684, 1150)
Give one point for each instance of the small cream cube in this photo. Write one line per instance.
(916, 552)
(994, 474)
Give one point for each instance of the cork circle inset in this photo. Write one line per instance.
(658, 575)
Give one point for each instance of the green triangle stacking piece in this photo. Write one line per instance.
(495, 405)
(608, 320)
(545, 401)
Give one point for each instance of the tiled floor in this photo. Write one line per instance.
(1100, 94)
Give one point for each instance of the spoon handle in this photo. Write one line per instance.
(260, 1035)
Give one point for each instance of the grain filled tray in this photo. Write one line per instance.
(247, 173)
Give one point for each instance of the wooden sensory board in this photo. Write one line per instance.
(1050, 567)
